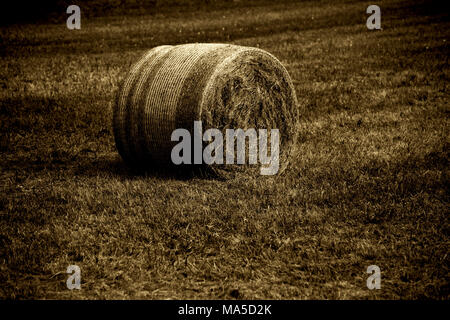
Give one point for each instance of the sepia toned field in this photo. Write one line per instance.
(369, 185)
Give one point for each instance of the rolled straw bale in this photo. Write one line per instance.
(224, 86)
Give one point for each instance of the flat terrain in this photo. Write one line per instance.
(370, 183)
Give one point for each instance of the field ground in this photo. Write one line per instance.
(369, 184)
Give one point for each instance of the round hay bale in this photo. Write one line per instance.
(224, 86)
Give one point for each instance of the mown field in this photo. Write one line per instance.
(369, 184)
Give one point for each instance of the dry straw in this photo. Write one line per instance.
(224, 86)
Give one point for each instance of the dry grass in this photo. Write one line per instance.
(369, 184)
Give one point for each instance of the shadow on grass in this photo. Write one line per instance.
(41, 122)
(118, 168)
(113, 167)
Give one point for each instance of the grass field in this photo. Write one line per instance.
(369, 185)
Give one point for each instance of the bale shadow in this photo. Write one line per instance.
(118, 168)
(110, 166)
